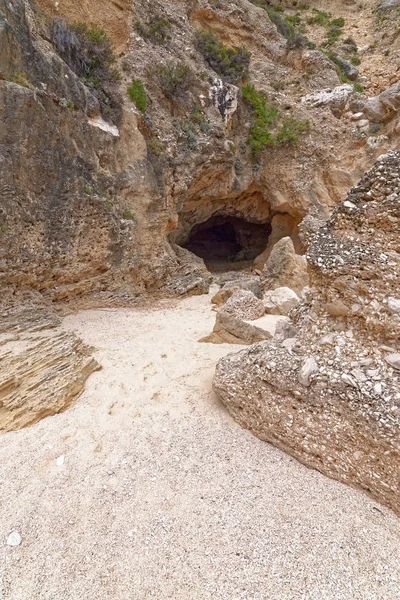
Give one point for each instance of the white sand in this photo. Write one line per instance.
(161, 495)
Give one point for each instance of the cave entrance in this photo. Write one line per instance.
(224, 239)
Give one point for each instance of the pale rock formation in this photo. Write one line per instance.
(280, 301)
(382, 107)
(337, 99)
(330, 396)
(43, 368)
(285, 268)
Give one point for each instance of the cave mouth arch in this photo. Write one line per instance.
(226, 239)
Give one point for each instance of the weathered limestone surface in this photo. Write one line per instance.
(331, 395)
(43, 369)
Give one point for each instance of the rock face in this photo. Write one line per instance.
(285, 268)
(331, 397)
(43, 369)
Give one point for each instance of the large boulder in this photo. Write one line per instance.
(330, 396)
(285, 268)
(382, 107)
(244, 305)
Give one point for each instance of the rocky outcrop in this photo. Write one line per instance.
(330, 395)
(43, 368)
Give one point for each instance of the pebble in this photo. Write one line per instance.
(309, 367)
(60, 460)
(14, 539)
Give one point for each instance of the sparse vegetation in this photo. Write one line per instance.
(156, 146)
(375, 128)
(230, 63)
(358, 88)
(128, 215)
(319, 17)
(158, 31)
(88, 52)
(21, 79)
(174, 79)
(290, 131)
(266, 119)
(265, 116)
(191, 137)
(138, 95)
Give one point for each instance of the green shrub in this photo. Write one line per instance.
(174, 79)
(358, 88)
(231, 64)
(157, 31)
(290, 130)
(334, 34)
(128, 215)
(197, 115)
(355, 60)
(319, 17)
(138, 95)
(87, 50)
(265, 116)
(337, 22)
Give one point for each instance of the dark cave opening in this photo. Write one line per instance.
(225, 239)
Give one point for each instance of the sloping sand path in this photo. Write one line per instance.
(161, 495)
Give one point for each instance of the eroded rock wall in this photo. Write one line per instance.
(328, 391)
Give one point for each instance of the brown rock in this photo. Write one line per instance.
(337, 309)
(230, 330)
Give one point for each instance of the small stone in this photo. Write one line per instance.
(14, 539)
(394, 305)
(60, 460)
(337, 309)
(393, 360)
(309, 367)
